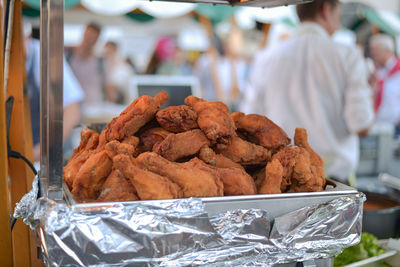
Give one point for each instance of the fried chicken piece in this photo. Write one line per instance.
(151, 137)
(72, 168)
(260, 130)
(114, 148)
(102, 141)
(177, 118)
(315, 164)
(244, 153)
(236, 182)
(131, 140)
(301, 140)
(177, 146)
(117, 188)
(259, 178)
(136, 115)
(91, 176)
(89, 141)
(287, 158)
(271, 184)
(149, 185)
(196, 178)
(299, 175)
(213, 117)
(208, 155)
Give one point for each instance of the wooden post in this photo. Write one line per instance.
(25, 252)
(6, 253)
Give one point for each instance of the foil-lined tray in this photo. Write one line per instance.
(259, 230)
(276, 204)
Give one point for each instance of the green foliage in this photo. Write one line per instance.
(365, 249)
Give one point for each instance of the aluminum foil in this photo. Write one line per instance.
(26, 207)
(181, 233)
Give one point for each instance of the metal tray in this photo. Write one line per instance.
(390, 180)
(275, 204)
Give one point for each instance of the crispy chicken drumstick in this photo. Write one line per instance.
(117, 188)
(136, 115)
(196, 178)
(260, 130)
(151, 137)
(213, 119)
(177, 146)
(89, 142)
(244, 153)
(91, 176)
(148, 185)
(177, 118)
(208, 155)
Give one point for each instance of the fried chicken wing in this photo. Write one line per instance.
(317, 180)
(236, 182)
(151, 137)
(287, 158)
(208, 155)
(117, 188)
(213, 117)
(299, 175)
(136, 115)
(177, 146)
(196, 178)
(149, 185)
(114, 148)
(177, 118)
(89, 141)
(244, 153)
(301, 140)
(91, 176)
(260, 130)
(271, 184)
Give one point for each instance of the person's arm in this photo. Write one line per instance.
(71, 119)
(73, 96)
(358, 102)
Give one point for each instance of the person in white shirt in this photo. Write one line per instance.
(387, 95)
(310, 81)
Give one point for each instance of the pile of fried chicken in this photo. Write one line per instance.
(193, 150)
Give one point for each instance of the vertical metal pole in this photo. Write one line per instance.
(44, 121)
(55, 96)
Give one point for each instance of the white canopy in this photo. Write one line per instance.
(392, 5)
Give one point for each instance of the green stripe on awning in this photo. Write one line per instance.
(375, 18)
(216, 14)
(30, 12)
(36, 3)
(143, 18)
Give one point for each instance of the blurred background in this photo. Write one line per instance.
(189, 49)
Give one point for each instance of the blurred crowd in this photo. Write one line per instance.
(335, 91)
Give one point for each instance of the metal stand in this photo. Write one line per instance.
(51, 96)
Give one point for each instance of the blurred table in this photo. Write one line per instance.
(101, 112)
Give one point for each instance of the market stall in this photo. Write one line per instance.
(256, 229)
